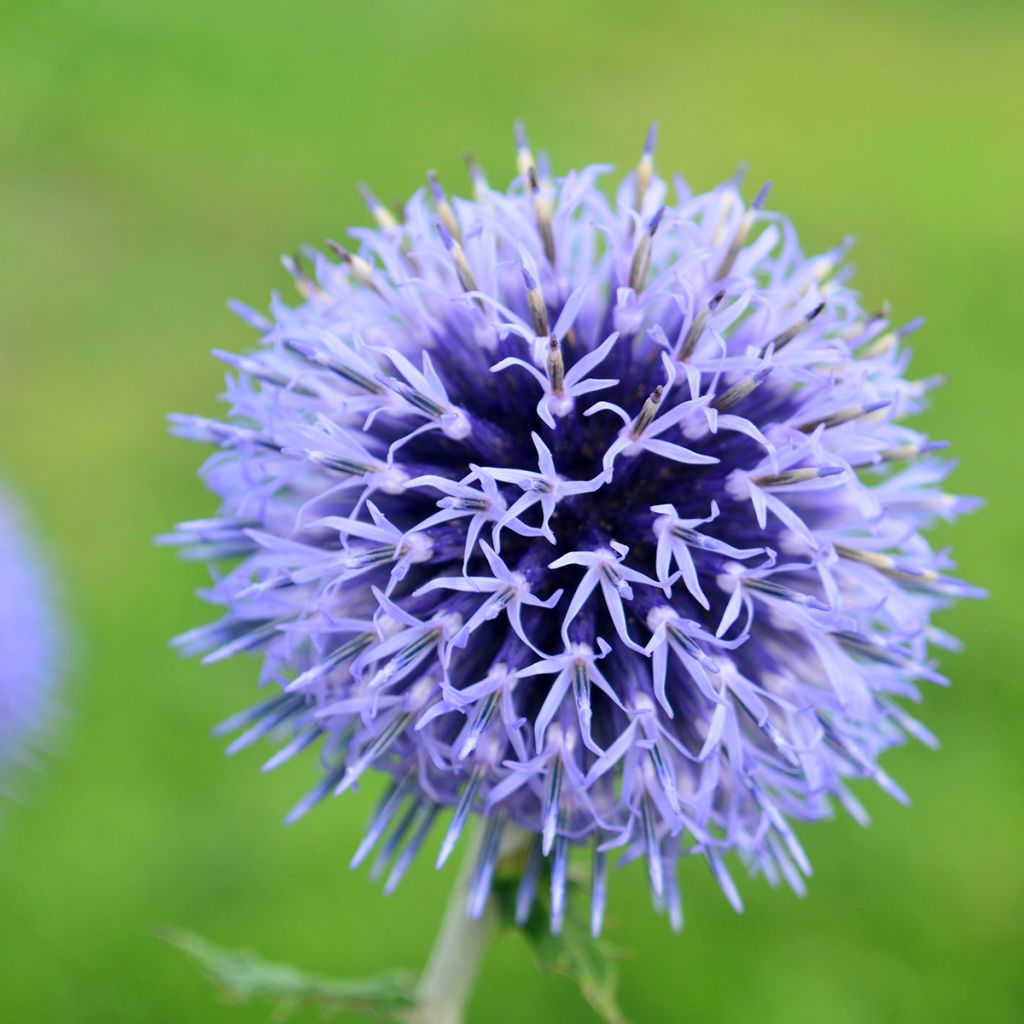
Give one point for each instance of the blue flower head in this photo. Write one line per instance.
(596, 519)
(30, 651)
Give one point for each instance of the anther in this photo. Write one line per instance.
(697, 328)
(909, 451)
(796, 476)
(742, 232)
(741, 389)
(536, 304)
(884, 342)
(542, 213)
(641, 262)
(825, 265)
(443, 207)
(524, 158)
(381, 214)
(556, 367)
(886, 564)
(304, 282)
(645, 169)
(361, 270)
(835, 419)
(647, 413)
(476, 175)
(781, 340)
(462, 269)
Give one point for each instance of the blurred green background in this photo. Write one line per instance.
(154, 160)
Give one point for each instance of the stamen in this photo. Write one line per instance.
(697, 327)
(825, 265)
(414, 397)
(796, 476)
(465, 504)
(886, 341)
(866, 647)
(318, 357)
(333, 462)
(836, 419)
(304, 282)
(556, 367)
(859, 328)
(696, 539)
(581, 691)
(482, 719)
(385, 219)
(780, 341)
(617, 580)
(379, 746)
(742, 233)
(253, 368)
(443, 207)
(476, 175)
(734, 395)
(462, 269)
(908, 451)
(645, 169)
(875, 559)
(542, 213)
(368, 557)
(337, 657)
(524, 157)
(404, 657)
(773, 589)
(641, 262)
(361, 270)
(647, 413)
(888, 565)
(535, 301)
(692, 648)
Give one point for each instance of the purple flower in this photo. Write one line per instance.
(594, 518)
(29, 645)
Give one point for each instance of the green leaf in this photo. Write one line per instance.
(244, 976)
(590, 962)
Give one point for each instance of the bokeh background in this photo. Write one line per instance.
(154, 160)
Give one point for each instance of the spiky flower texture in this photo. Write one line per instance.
(596, 518)
(29, 644)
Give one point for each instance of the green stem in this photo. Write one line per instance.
(447, 981)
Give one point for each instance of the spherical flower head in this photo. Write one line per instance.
(597, 519)
(29, 645)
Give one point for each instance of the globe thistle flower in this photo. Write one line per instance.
(595, 518)
(29, 645)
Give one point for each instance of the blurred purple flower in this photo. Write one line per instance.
(672, 619)
(30, 650)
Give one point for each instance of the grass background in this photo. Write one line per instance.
(156, 157)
